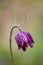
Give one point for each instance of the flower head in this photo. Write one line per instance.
(24, 39)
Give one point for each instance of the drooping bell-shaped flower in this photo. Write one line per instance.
(23, 39)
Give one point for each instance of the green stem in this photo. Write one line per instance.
(10, 42)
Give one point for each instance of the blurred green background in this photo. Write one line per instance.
(13, 13)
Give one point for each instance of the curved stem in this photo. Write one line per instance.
(10, 42)
(23, 21)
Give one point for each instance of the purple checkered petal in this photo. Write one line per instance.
(21, 39)
(30, 39)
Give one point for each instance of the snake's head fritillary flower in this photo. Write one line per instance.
(23, 39)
